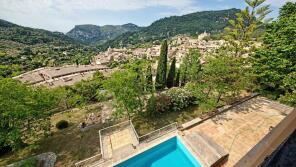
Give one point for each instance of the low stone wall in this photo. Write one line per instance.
(218, 111)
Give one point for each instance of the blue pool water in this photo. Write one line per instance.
(171, 153)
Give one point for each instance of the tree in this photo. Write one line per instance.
(223, 75)
(194, 65)
(149, 79)
(141, 68)
(241, 30)
(274, 64)
(128, 93)
(177, 81)
(82, 93)
(24, 112)
(160, 81)
(190, 67)
(172, 73)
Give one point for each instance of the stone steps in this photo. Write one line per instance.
(206, 149)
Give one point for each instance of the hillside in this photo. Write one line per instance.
(99, 34)
(23, 49)
(194, 23)
(30, 36)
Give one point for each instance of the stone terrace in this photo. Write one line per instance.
(242, 127)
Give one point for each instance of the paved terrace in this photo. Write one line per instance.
(230, 134)
(239, 129)
(117, 138)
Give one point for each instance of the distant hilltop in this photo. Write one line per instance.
(131, 34)
(191, 24)
(89, 33)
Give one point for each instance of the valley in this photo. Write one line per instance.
(222, 82)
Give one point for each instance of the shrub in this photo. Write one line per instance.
(158, 104)
(151, 105)
(62, 124)
(30, 162)
(180, 98)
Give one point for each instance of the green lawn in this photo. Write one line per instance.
(70, 144)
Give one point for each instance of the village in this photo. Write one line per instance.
(180, 45)
(212, 88)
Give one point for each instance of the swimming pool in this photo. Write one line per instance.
(171, 153)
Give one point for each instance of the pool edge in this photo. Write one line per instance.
(157, 142)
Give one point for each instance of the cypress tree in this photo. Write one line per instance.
(177, 81)
(160, 81)
(149, 82)
(172, 73)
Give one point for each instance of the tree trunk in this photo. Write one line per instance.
(219, 97)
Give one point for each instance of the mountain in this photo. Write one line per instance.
(194, 23)
(30, 36)
(23, 49)
(99, 34)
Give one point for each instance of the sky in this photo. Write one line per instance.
(63, 15)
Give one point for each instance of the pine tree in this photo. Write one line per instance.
(171, 75)
(240, 31)
(183, 70)
(160, 81)
(149, 82)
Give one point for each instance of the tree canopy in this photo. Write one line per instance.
(161, 73)
(274, 63)
(21, 106)
(127, 91)
(172, 74)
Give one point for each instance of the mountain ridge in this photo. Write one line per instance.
(89, 33)
(213, 21)
(30, 36)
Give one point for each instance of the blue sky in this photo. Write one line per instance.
(62, 15)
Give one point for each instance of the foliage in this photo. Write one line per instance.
(158, 104)
(224, 75)
(241, 30)
(88, 89)
(191, 66)
(192, 24)
(30, 36)
(62, 124)
(151, 108)
(160, 81)
(177, 80)
(82, 93)
(128, 93)
(99, 34)
(144, 75)
(172, 73)
(23, 49)
(149, 79)
(274, 63)
(30, 162)
(175, 99)
(23, 110)
(198, 91)
(180, 98)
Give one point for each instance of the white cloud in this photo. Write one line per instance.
(63, 14)
(112, 5)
